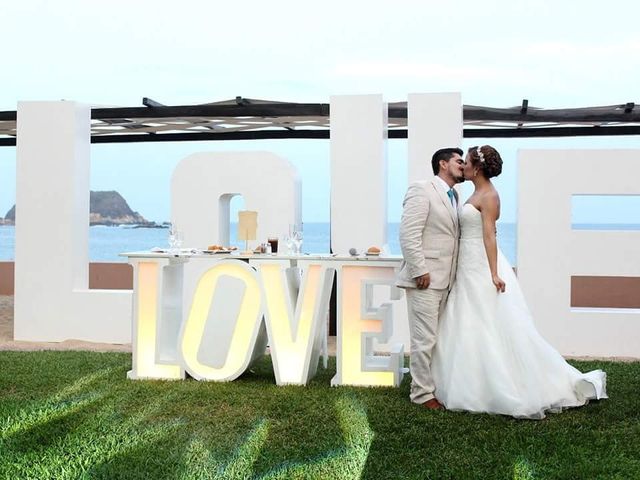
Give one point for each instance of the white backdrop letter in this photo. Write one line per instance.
(550, 252)
(52, 297)
(358, 172)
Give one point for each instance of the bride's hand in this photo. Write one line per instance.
(499, 283)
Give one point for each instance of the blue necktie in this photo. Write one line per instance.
(450, 193)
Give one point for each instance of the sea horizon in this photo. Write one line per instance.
(106, 243)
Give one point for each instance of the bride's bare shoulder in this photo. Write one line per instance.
(490, 198)
(490, 204)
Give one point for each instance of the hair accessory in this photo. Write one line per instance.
(480, 154)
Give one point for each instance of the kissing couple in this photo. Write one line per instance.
(474, 345)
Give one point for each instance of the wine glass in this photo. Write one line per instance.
(289, 243)
(175, 239)
(179, 240)
(295, 234)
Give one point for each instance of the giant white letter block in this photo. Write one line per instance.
(359, 323)
(296, 316)
(358, 172)
(550, 252)
(245, 343)
(434, 121)
(203, 184)
(157, 310)
(52, 297)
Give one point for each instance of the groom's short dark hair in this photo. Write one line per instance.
(443, 154)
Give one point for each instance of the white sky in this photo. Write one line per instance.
(556, 54)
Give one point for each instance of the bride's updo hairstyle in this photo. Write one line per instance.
(488, 159)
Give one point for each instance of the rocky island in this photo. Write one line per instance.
(105, 208)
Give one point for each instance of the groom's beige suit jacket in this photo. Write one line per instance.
(429, 233)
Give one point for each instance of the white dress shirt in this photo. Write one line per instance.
(446, 188)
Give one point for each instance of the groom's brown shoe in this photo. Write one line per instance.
(433, 404)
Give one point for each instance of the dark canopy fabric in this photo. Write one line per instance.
(243, 118)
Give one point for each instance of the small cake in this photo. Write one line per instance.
(373, 251)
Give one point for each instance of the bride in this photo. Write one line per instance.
(489, 356)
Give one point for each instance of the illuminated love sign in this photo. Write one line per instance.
(237, 306)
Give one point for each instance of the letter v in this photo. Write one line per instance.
(295, 317)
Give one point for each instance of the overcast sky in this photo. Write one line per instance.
(555, 54)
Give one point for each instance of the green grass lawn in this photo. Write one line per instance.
(75, 415)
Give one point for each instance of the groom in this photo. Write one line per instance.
(429, 242)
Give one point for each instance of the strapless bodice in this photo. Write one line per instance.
(470, 222)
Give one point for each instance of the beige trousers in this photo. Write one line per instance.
(424, 310)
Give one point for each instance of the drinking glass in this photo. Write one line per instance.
(179, 240)
(289, 242)
(175, 239)
(273, 241)
(295, 234)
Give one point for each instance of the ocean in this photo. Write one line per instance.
(105, 243)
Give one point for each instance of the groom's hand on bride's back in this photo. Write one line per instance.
(423, 281)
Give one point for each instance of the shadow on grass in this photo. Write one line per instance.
(157, 458)
(253, 428)
(65, 418)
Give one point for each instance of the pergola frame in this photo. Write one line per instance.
(249, 119)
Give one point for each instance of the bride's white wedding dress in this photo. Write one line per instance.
(489, 357)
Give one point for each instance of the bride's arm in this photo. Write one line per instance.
(490, 213)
